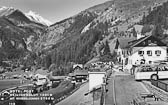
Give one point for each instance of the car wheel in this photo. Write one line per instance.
(154, 77)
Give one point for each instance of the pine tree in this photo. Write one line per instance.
(134, 32)
(158, 32)
(106, 48)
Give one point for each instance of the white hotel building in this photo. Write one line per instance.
(146, 50)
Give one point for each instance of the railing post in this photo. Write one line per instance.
(157, 83)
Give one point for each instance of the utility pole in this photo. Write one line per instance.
(93, 94)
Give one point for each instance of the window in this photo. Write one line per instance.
(155, 42)
(149, 41)
(141, 53)
(149, 53)
(157, 52)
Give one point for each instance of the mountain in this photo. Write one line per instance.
(84, 36)
(37, 18)
(4, 11)
(79, 38)
(158, 18)
(30, 16)
(17, 33)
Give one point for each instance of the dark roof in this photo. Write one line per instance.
(42, 72)
(81, 72)
(52, 78)
(136, 42)
(123, 42)
(77, 66)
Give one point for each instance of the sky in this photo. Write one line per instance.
(52, 10)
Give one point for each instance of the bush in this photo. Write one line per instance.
(55, 84)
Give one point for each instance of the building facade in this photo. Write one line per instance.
(147, 50)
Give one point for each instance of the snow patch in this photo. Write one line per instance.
(5, 11)
(29, 41)
(6, 8)
(37, 18)
(86, 28)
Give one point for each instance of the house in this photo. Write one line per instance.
(77, 66)
(79, 75)
(56, 78)
(42, 80)
(146, 50)
(41, 74)
(138, 29)
(121, 48)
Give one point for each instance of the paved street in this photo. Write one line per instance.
(125, 89)
(78, 97)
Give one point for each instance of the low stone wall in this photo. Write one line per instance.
(161, 94)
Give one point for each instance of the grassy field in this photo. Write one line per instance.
(62, 89)
(9, 83)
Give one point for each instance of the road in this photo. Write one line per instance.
(122, 89)
(77, 98)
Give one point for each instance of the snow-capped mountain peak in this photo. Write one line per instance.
(5, 11)
(4, 8)
(37, 18)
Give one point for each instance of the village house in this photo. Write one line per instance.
(41, 74)
(146, 50)
(121, 48)
(77, 67)
(138, 29)
(79, 74)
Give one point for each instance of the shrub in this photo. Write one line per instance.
(55, 84)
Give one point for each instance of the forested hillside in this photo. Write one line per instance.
(17, 35)
(74, 39)
(76, 46)
(79, 38)
(159, 18)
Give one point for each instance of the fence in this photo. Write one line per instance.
(160, 85)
